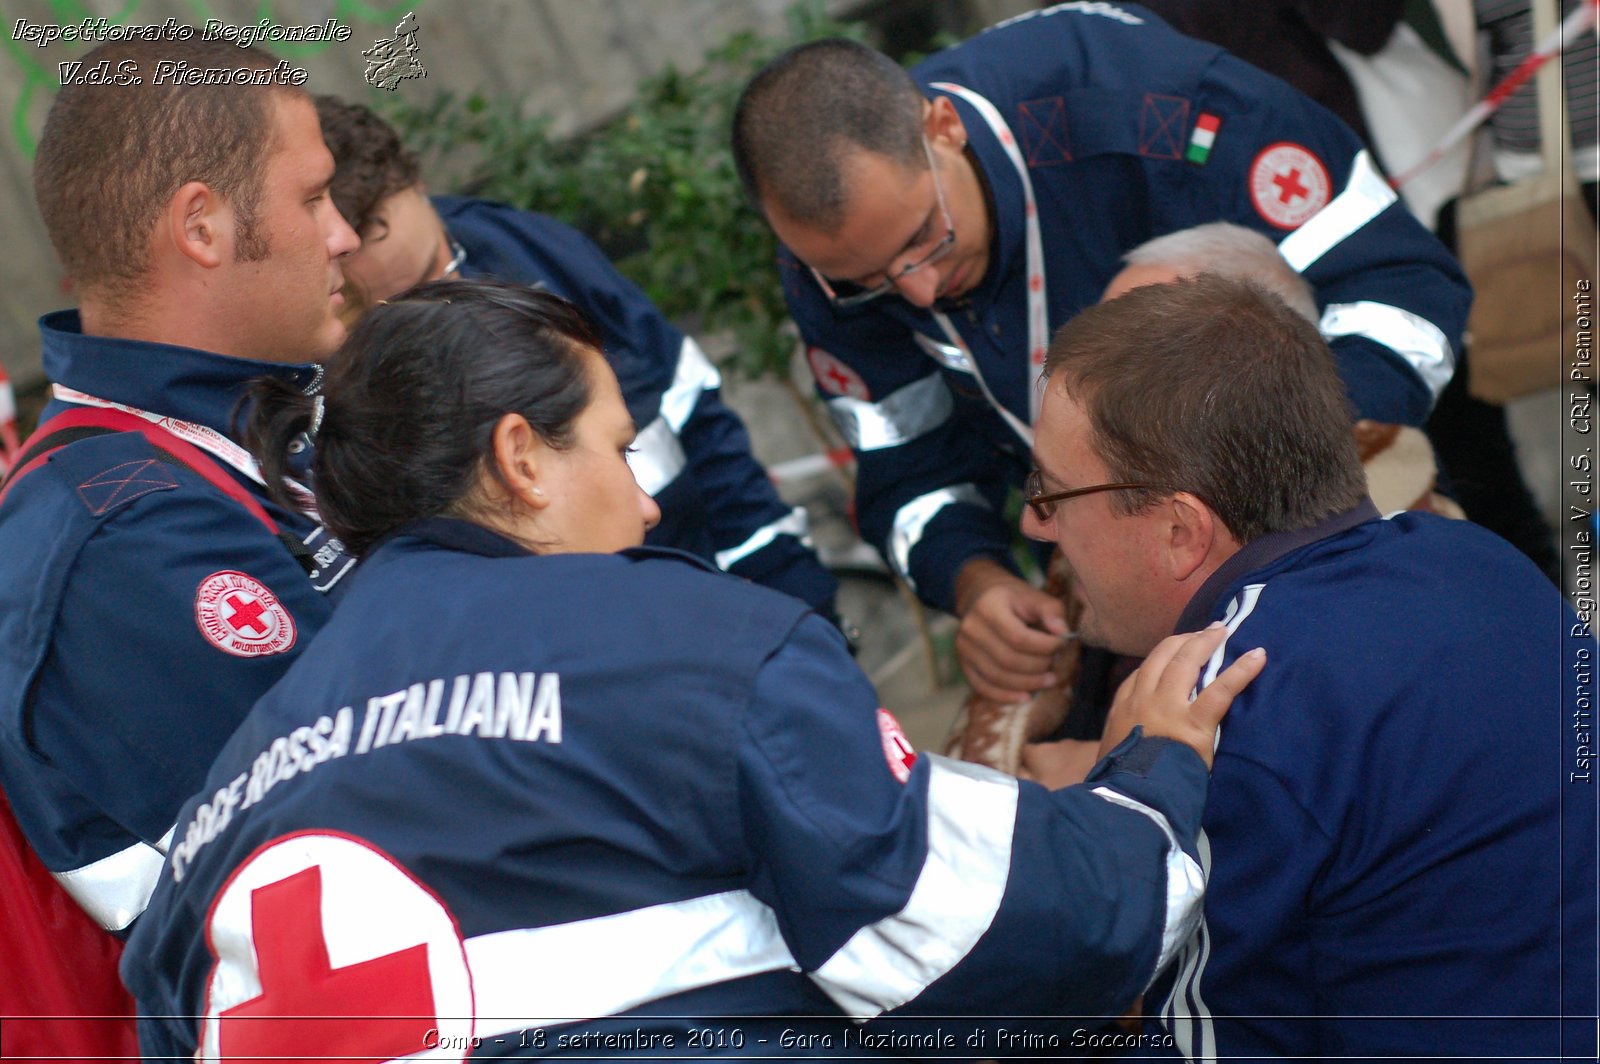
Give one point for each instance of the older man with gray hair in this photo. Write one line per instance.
(1216, 247)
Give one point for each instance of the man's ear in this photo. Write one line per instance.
(942, 123)
(519, 454)
(1192, 532)
(199, 225)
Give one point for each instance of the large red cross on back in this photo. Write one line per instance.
(370, 1011)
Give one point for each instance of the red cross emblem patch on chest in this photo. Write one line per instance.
(1288, 184)
(239, 615)
(834, 377)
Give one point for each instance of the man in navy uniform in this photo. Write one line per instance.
(150, 590)
(939, 224)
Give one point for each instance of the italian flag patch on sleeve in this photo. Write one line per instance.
(1200, 141)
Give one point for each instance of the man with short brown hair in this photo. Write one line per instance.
(1389, 832)
(150, 590)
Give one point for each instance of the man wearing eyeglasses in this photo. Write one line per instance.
(1399, 839)
(938, 225)
(692, 454)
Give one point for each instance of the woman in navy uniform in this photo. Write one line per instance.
(539, 790)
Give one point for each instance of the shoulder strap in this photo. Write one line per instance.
(83, 422)
(49, 436)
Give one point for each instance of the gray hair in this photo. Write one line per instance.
(1230, 251)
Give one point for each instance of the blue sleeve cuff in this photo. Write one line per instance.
(1162, 773)
(1380, 384)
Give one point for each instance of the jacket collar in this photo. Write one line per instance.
(452, 533)
(166, 379)
(1262, 552)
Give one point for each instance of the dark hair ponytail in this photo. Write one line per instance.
(277, 415)
(410, 402)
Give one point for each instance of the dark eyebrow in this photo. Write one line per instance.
(922, 233)
(918, 237)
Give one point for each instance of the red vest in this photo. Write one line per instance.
(61, 997)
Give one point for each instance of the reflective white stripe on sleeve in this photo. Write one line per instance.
(116, 889)
(911, 520)
(1365, 196)
(1186, 884)
(1412, 337)
(794, 523)
(972, 815)
(912, 411)
(600, 967)
(657, 456)
(695, 374)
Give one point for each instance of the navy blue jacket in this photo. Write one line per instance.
(529, 789)
(692, 454)
(128, 654)
(1103, 101)
(1402, 817)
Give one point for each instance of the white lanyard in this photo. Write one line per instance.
(1038, 316)
(207, 439)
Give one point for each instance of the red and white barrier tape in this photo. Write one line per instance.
(1581, 19)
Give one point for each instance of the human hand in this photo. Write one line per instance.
(1010, 631)
(1157, 695)
(1059, 764)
